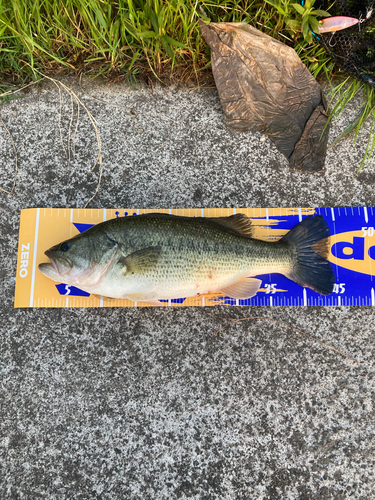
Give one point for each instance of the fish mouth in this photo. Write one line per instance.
(57, 268)
(50, 271)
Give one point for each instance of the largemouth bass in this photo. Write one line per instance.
(159, 256)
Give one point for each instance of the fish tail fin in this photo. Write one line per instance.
(310, 244)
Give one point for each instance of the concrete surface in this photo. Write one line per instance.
(147, 404)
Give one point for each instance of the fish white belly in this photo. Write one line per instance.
(144, 288)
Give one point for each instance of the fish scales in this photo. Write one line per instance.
(197, 249)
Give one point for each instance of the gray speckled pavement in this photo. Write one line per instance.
(147, 404)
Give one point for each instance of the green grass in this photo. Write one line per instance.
(127, 37)
(341, 95)
(136, 39)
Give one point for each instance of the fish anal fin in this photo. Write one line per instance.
(153, 303)
(245, 288)
(141, 261)
(238, 223)
(104, 297)
(144, 297)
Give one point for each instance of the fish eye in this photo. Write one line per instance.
(111, 243)
(64, 247)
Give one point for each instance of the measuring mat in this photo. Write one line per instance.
(352, 253)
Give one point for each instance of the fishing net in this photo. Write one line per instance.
(353, 49)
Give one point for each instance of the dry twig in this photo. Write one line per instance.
(91, 118)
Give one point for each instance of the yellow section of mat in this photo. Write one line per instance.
(41, 228)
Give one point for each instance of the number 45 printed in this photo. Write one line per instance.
(339, 288)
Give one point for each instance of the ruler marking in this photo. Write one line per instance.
(300, 214)
(34, 257)
(104, 219)
(335, 238)
(268, 238)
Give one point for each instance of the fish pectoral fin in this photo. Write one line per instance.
(242, 289)
(141, 261)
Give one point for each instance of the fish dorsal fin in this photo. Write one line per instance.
(140, 261)
(238, 223)
(242, 289)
